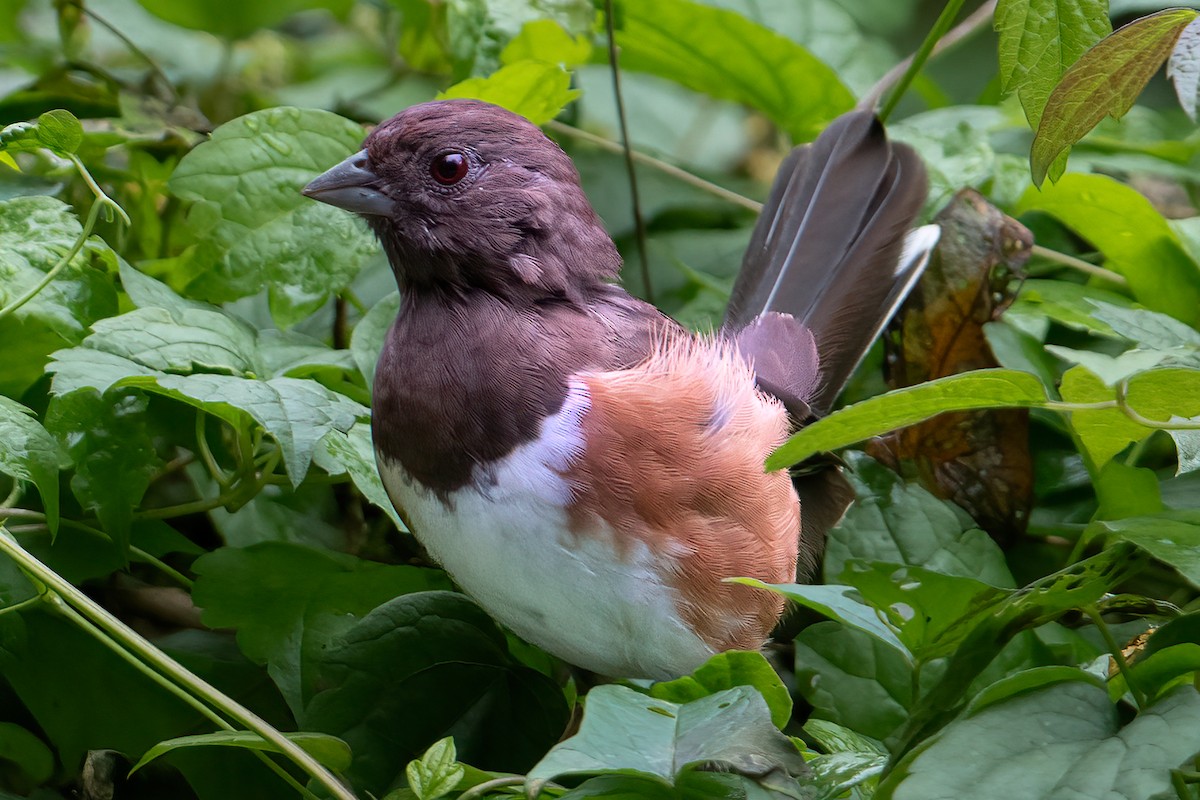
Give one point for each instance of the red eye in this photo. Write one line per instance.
(449, 168)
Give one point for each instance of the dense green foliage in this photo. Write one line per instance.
(198, 554)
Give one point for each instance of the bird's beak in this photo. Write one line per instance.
(351, 185)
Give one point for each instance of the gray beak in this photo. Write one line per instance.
(351, 185)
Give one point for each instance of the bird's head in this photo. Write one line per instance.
(466, 195)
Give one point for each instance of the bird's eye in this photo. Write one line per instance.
(449, 168)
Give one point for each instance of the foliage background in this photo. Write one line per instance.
(187, 346)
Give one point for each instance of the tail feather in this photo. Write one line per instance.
(830, 250)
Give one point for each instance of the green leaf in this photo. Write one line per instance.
(1070, 304)
(84, 697)
(26, 752)
(853, 679)
(1158, 672)
(290, 603)
(536, 90)
(29, 453)
(59, 131)
(725, 671)
(1172, 537)
(1103, 432)
(841, 603)
(258, 230)
(987, 388)
(424, 666)
(232, 19)
(931, 613)
(838, 773)
(353, 453)
(136, 349)
(1151, 330)
(367, 339)
(146, 292)
(547, 40)
(1105, 81)
(479, 30)
(725, 55)
(1049, 742)
(1039, 40)
(629, 732)
(1183, 68)
(1028, 680)
(35, 232)
(437, 772)
(1134, 238)
(328, 750)
(1042, 601)
(179, 340)
(834, 738)
(114, 454)
(902, 523)
(1125, 491)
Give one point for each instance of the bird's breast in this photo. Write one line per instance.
(607, 536)
(593, 599)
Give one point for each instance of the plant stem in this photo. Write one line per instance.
(82, 622)
(962, 31)
(13, 496)
(170, 668)
(479, 790)
(940, 27)
(662, 166)
(1118, 655)
(101, 198)
(133, 48)
(154, 561)
(639, 224)
(1078, 264)
(1172, 425)
(59, 266)
(206, 455)
(26, 603)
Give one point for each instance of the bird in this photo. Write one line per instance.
(586, 469)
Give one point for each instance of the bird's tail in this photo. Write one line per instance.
(831, 259)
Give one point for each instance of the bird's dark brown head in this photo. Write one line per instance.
(466, 195)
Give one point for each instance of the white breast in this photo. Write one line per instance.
(505, 541)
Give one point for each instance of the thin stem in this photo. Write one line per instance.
(1127, 410)
(13, 496)
(26, 603)
(1118, 656)
(1077, 550)
(1058, 405)
(133, 48)
(59, 266)
(101, 198)
(480, 789)
(134, 550)
(1078, 264)
(91, 629)
(940, 27)
(969, 26)
(658, 164)
(180, 675)
(206, 455)
(84, 624)
(352, 298)
(639, 224)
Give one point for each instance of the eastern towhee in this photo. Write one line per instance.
(584, 467)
